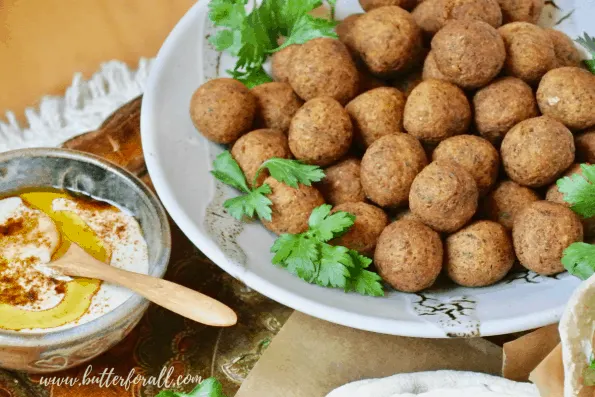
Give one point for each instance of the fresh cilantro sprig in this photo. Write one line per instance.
(579, 191)
(589, 44)
(309, 256)
(254, 201)
(253, 36)
(210, 387)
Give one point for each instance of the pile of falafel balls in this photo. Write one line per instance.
(442, 126)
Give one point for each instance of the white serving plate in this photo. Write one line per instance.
(179, 160)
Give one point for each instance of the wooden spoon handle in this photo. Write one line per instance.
(179, 299)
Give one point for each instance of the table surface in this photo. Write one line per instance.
(44, 42)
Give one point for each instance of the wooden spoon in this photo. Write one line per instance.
(181, 300)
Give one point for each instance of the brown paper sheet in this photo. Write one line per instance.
(522, 355)
(549, 375)
(311, 357)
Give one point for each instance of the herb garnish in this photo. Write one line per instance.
(589, 43)
(579, 192)
(210, 387)
(254, 200)
(253, 36)
(309, 256)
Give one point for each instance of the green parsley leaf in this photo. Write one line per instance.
(579, 260)
(310, 257)
(252, 77)
(210, 387)
(227, 13)
(334, 266)
(308, 28)
(589, 374)
(589, 44)
(325, 226)
(291, 172)
(290, 11)
(254, 202)
(579, 191)
(228, 171)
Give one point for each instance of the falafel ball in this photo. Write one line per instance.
(408, 82)
(501, 105)
(436, 110)
(585, 146)
(479, 255)
(323, 67)
(388, 168)
(541, 233)
(345, 31)
(521, 10)
(566, 52)
(366, 80)
(291, 208)
(433, 15)
(568, 95)
(554, 195)
(362, 237)
(222, 109)
(469, 53)
(506, 200)
(530, 51)
(430, 69)
(342, 182)
(255, 147)
(536, 151)
(444, 196)
(476, 155)
(281, 62)
(276, 103)
(320, 132)
(368, 5)
(387, 39)
(409, 255)
(376, 113)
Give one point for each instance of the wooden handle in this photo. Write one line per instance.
(177, 298)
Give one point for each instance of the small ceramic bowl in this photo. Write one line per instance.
(78, 172)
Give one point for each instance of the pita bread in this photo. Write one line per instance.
(437, 384)
(576, 333)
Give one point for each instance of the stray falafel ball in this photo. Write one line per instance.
(585, 146)
(345, 31)
(479, 255)
(342, 182)
(444, 196)
(501, 105)
(568, 95)
(276, 105)
(388, 168)
(555, 196)
(281, 61)
(362, 237)
(436, 110)
(530, 51)
(476, 155)
(541, 233)
(536, 151)
(387, 39)
(255, 147)
(433, 15)
(291, 208)
(222, 109)
(323, 67)
(506, 200)
(409, 255)
(521, 10)
(376, 113)
(320, 132)
(566, 52)
(368, 5)
(469, 53)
